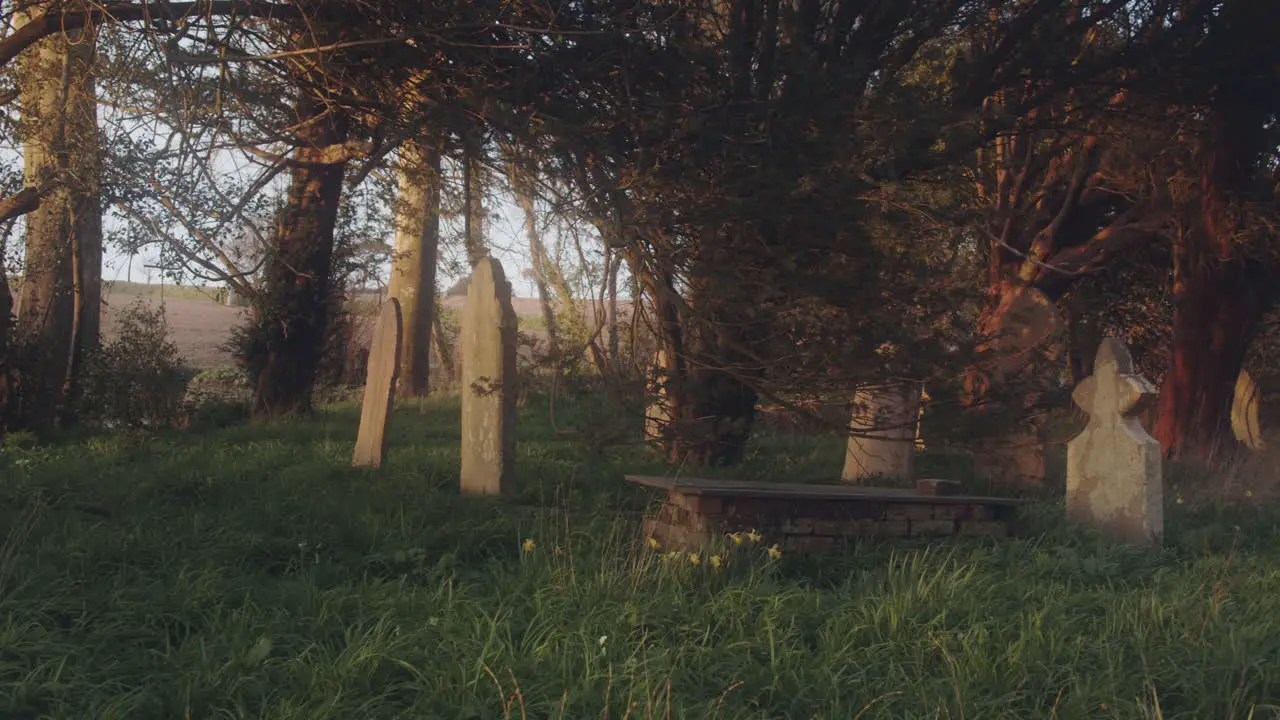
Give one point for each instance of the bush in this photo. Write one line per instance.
(247, 344)
(136, 380)
(218, 397)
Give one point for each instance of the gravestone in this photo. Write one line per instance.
(1024, 328)
(488, 382)
(379, 387)
(1113, 465)
(657, 415)
(885, 417)
(1244, 412)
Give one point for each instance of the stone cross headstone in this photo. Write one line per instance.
(1244, 412)
(379, 388)
(488, 382)
(1114, 480)
(885, 418)
(656, 415)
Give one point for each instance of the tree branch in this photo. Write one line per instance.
(51, 22)
(21, 203)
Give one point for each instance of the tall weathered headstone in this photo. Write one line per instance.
(488, 382)
(885, 418)
(379, 386)
(1244, 412)
(656, 415)
(1023, 329)
(1114, 479)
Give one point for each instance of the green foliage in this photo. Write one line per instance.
(137, 379)
(251, 572)
(218, 397)
(248, 345)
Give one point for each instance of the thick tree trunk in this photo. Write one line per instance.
(58, 318)
(413, 270)
(710, 411)
(1220, 295)
(295, 297)
(1215, 318)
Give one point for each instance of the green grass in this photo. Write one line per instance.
(251, 573)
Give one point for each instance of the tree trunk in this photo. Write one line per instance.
(443, 351)
(709, 410)
(413, 270)
(538, 261)
(1220, 295)
(1215, 318)
(295, 297)
(612, 263)
(472, 191)
(61, 294)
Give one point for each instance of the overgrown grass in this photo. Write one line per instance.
(251, 572)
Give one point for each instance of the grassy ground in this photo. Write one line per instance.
(251, 573)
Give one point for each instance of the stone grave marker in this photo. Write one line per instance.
(888, 414)
(488, 382)
(1114, 480)
(1244, 412)
(1025, 326)
(379, 388)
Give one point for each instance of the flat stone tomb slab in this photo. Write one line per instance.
(808, 517)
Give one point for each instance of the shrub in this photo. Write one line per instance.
(138, 378)
(218, 397)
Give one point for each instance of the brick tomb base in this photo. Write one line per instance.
(816, 517)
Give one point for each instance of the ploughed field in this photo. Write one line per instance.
(199, 326)
(251, 572)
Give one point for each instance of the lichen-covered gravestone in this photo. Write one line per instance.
(488, 382)
(885, 418)
(379, 387)
(1114, 481)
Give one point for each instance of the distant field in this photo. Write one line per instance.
(199, 325)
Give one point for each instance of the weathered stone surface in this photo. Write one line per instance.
(889, 415)
(488, 382)
(1244, 413)
(699, 511)
(1024, 329)
(379, 386)
(1014, 460)
(656, 415)
(1113, 466)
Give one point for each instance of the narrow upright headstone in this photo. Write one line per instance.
(1244, 413)
(488, 382)
(1113, 465)
(656, 415)
(379, 386)
(1025, 328)
(885, 418)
